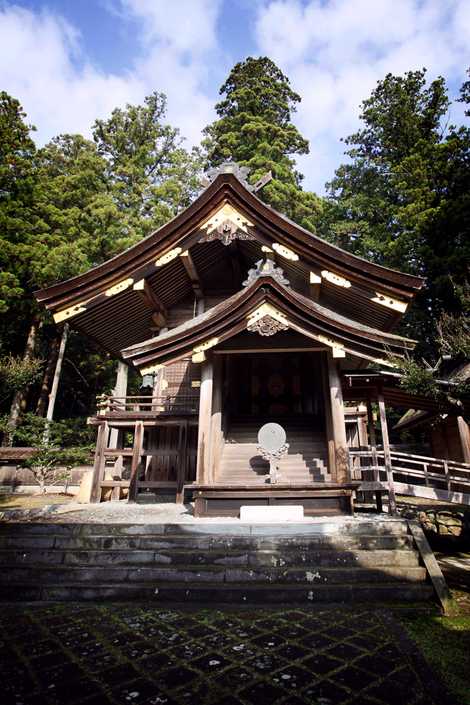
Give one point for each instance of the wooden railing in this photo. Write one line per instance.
(416, 475)
(141, 406)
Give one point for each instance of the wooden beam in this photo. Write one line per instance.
(152, 302)
(136, 455)
(392, 503)
(315, 285)
(192, 273)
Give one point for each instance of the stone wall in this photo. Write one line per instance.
(442, 523)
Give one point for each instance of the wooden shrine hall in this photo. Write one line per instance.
(234, 316)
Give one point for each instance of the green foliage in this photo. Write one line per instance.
(59, 446)
(404, 198)
(17, 152)
(17, 373)
(454, 332)
(149, 174)
(255, 130)
(74, 204)
(419, 380)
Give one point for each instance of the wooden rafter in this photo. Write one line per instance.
(151, 300)
(193, 274)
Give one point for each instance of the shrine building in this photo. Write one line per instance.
(235, 316)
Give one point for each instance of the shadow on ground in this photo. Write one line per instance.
(121, 653)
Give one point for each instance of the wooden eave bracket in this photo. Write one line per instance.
(151, 300)
(192, 273)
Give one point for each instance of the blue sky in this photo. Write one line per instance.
(71, 61)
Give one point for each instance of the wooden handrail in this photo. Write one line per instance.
(435, 472)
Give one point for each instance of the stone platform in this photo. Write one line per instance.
(330, 561)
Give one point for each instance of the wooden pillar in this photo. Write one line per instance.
(373, 445)
(337, 421)
(182, 461)
(216, 421)
(99, 464)
(464, 436)
(136, 455)
(205, 420)
(392, 504)
(330, 440)
(120, 390)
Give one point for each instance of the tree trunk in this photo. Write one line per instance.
(47, 378)
(55, 382)
(19, 398)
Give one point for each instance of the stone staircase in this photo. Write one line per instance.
(341, 561)
(305, 462)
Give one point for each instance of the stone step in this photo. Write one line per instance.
(340, 528)
(365, 593)
(326, 557)
(96, 542)
(211, 574)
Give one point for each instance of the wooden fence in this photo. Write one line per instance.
(415, 475)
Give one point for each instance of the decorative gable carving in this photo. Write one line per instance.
(266, 321)
(226, 225)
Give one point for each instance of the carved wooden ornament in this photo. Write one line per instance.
(226, 225)
(266, 321)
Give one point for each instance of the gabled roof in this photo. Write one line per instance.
(265, 306)
(105, 302)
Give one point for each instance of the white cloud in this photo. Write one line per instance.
(334, 53)
(185, 25)
(42, 63)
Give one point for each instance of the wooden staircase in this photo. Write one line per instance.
(305, 462)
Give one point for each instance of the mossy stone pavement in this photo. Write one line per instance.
(141, 654)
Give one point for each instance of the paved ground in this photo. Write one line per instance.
(117, 654)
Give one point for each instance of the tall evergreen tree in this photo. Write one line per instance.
(402, 199)
(69, 206)
(150, 175)
(255, 129)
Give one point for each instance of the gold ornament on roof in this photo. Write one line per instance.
(336, 279)
(389, 302)
(168, 256)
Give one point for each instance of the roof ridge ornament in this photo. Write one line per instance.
(240, 172)
(227, 167)
(266, 268)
